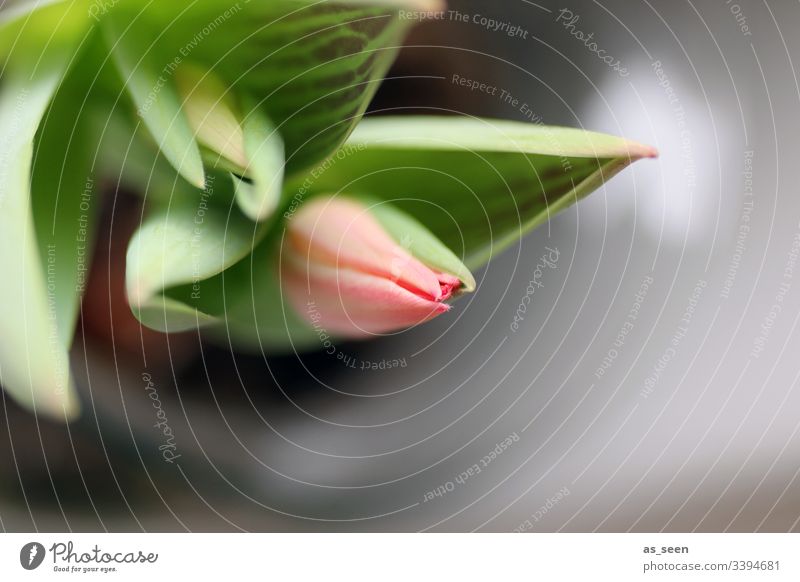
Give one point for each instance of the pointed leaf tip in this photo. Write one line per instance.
(156, 100)
(482, 183)
(640, 150)
(251, 149)
(264, 150)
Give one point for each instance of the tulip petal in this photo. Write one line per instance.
(423, 245)
(345, 272)
(344, 233)
(354, 304)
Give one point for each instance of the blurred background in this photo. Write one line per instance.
(652, 385)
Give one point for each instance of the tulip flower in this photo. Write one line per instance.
(346, 273)
(236, 122)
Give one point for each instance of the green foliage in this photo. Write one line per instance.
(228, 117)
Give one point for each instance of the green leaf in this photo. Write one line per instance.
(66, 198)
(241, 304)
(156, 100)
(263, 146)
(256, 315)
(478, 185)
(34, 364)
(252, 150)
(126, 158)
(183, 244)
(209, 111)
(312, 67)
(423, 5)
(169, 315)
(28, 26)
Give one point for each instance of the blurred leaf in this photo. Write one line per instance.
(252, 150)
(23, 34)
(210, 114)
(124, 156)
(34, 364)
(259, 196)
(66, 197)
(184, 243)
(156, 100)
(256, 315)
(241, 304)
(479, 185)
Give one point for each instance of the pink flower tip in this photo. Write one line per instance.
(342, 272)
(638, 150)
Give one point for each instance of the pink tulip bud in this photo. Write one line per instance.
(343, 272)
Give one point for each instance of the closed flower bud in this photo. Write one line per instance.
(346, 272)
